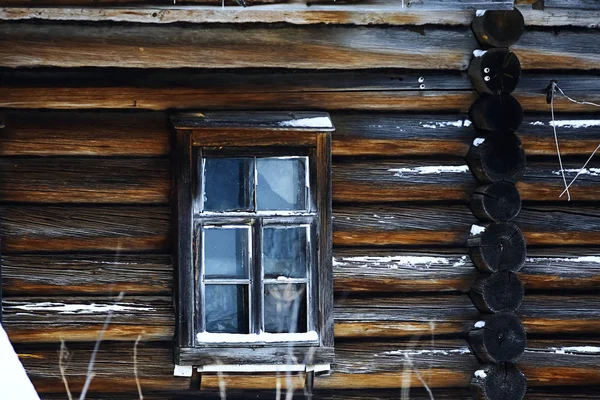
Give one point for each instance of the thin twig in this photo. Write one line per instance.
(90, 373)
(135, 369)
(419, 377)
(562, 170)
(581, 170)
(64, 353)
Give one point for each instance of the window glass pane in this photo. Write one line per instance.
(281, 184)
(285, 252)
(226, 252)
(285, 308)
(228, 184)
(226, 308)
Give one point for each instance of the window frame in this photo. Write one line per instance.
(254, 134)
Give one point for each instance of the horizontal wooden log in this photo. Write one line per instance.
(113, 368)
(455, 315)
(347, 90)
(294, 14)
(333, 47)
(572, 4)
(90, 274)
(421, 225)
(83, 180)
(64, 229)
(84, 133)
(359, 365)
(355, 270)
(223, 47)
(79, 319)
(135, 229)
(148, 181)
(415, 180)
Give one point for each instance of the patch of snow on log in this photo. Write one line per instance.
(316, 122)
(477, 229)
(78, 308)
(434, 125)
(479, 324)
(480, 374)
(14, 383)
(570, 123)
(585, 171)
(575, 349)
(479, 53)
(480, 13)
(397, 262)
(209, 337)
(549, 260)
(414, 352)
(429, 170)
(478, 141)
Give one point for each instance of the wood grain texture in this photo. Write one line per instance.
(101, 229)
(276, 90)
(225, 47)
(360, 365)
(85, 180)
(572, 4)
(449, 180)
(31, 133)
(79, 319)
(355, 270)
(422, 270)
(113, 369)
(298, 14)
(88, 274)
(381, 225)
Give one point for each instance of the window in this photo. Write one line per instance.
(253, 204)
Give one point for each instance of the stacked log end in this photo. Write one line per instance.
(497, 247)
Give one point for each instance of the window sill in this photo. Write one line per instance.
(187, 371)
(227, 339)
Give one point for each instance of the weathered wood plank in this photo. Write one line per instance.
(340, 90)
(91, 274)
(422, 225)
(84, 133)
(63, 229)
(451, 180)
(113, 368)
(48, 320)
(85, 180)
(318, 47)
(355, 270)
(394, 134)
(360, 365)
(135, 229)
(298, 14)
(573, 4)
(454, 315)
(79, 319)
(227, 47)
(422, 270)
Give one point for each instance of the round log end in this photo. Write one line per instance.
(499, 292)
(496, 113)
(499, 247)
(496, 71)
(501, 338)
(497, 157)
(499, 382)
(499, 28)
(497, 202)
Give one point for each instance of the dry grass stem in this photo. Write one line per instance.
(64, 354)
(135, 369)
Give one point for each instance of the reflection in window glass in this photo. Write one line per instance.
(228, 184)
(226, 308)
(285, 308)
(226, 252)
(285, 252)
(281, 184)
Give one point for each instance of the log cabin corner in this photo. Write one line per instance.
(360, 199)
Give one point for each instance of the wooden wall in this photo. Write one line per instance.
(86, 178)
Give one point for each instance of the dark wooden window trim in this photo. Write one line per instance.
(255, 130)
